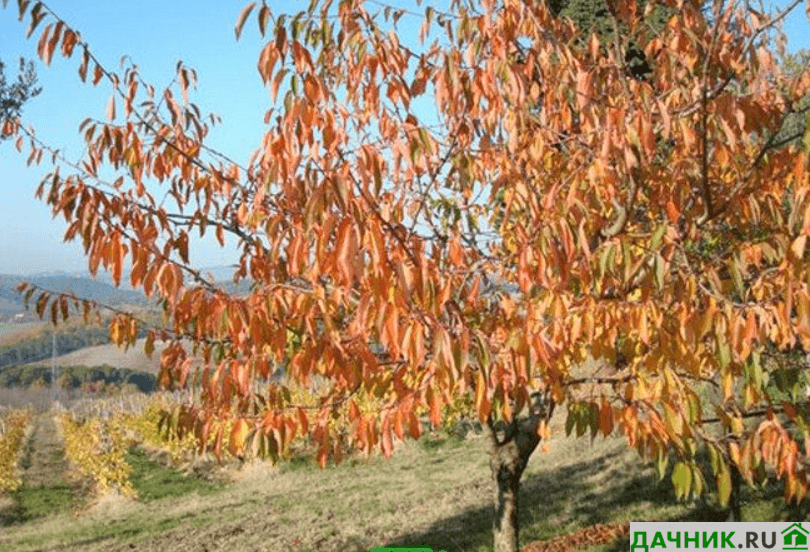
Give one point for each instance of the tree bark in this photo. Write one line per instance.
(509, 455)
(735, 512)
(734, 509)
(507, 469)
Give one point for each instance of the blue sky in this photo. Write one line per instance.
(155, 34)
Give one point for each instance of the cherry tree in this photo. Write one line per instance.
(497, 207)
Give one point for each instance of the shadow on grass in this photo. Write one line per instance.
(763, 503)
(559, 501)
(557, 493)
(36, 502)
(154, 481)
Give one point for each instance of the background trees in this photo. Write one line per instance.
(14, 95)
(564, 232)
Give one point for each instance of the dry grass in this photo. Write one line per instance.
(435, 492)
(428, 494)
(40, 399)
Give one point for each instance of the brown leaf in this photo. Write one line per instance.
(240, 21)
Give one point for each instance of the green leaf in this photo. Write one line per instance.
(655, 241)
(593, 419)
(714, 458)
(663, 462)
(694, 410)
(725, 354)
(626, 258)
(723, 486)
(570, 421)
(697, 482)
(682, 480)
(737, 277)
(424, 137)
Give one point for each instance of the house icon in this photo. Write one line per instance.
(795, 537)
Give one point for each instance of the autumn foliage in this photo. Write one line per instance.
(495, 207)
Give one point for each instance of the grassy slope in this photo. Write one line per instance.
(431, 493)
(15, 331)
(134, 358)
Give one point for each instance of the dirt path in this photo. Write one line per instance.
(43, 460)
(43, 469)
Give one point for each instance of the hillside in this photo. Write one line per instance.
(98, 289)
(110, 354)
(11, 302)
(35, 343)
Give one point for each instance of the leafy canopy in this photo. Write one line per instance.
(496, 206)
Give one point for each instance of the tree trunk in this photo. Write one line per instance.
(735, 513)
(510, 447)
(507, 468)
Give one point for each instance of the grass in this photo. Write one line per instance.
(31, 502)
(154, 482)
(436, 492)
(38, 502)
(42, 519)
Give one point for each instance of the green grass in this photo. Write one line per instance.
(440, 441)
(38, 502)
(153, 481)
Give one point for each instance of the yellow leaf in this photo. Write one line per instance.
(239, 433)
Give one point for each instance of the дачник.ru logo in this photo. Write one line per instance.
(672, 536)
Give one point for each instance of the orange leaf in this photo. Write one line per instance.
(354, 412)
(414, 427)
(111, 108)
(387, 443)
(672, 212)
(264, 16)
(239, 433)
(98, 72)
(398, 425)
(302, 420)
(606, 418)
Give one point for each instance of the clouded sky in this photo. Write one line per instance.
(155, 34)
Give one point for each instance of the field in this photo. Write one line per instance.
(110, 354)
(11, 331)
(434, 492)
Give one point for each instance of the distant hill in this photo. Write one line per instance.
(133, 359)
(100, 289)
(72, 377)
(11, 302)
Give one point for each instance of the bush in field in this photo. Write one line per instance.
(14, 425)
(147, 429)
(98, 449)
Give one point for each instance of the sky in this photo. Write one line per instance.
(155, 34)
